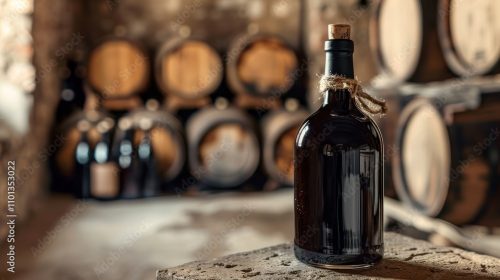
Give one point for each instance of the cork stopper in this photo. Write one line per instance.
(145, 124)
(221, 103)
(125, 123)
(92, 115)
(105, 125)
(339, 31)
(83, 125)
(152, 105)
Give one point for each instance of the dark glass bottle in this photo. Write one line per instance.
(82, 161)
(125, 156)
(71, 101)
(104, 182)
(72, 97)
(339, 177)
(150, 181)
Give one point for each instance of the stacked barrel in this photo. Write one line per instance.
(185, 116)
(118, 72)
(438, 64)
(228, 105)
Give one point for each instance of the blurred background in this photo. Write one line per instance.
(146, 134)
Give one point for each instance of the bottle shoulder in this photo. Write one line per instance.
(351, 129)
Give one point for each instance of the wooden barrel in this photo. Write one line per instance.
(395, 99)
(188, 68)
(447, 153)
(68, 135)
(469, 33)
(404, 39)
(118, 68)
(166, 137)
(261, 65)
(223, 147)
(279, 130)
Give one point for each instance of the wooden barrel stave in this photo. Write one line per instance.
(469, 35)
(118, 68)
(188, 68)
(261, 65)
(223, 147)
(395, 99)
(405, 43)
(459, 174)
(68, 132)
(279, 130)
(167, 140)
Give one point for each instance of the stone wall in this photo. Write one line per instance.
(17, 76)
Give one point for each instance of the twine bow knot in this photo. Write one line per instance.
(362, 99)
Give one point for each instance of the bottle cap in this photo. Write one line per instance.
(291, 104)
(83, 125)
(105, 125)
(221, 103)
(145, 123)
(92, 115)
(124, 123)
(339, 31)
(152, 105)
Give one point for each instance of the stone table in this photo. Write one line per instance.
(405, 258)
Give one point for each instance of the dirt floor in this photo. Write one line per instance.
(133, 239)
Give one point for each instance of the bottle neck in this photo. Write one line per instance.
(105, 138)
(103, 148)
(128, 135)
(145, 148)
(82, 151)
(338, 61)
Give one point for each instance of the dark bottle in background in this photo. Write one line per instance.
(104, 173)
(71, 101)
(149, 177)
(83, 156)
(126, 159)
(72, 96)
(339, 175)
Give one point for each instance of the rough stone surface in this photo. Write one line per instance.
(132, 239)
(405, 258)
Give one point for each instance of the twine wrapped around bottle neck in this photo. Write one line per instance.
(363, 100)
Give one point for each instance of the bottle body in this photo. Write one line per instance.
(103, 169)
(338, 174)
(72, 96)
(339, 191)
(82, 167)
(128, 164)
(149, 174)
